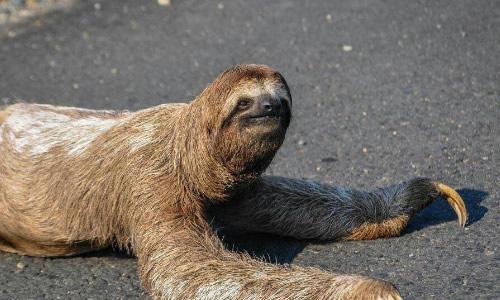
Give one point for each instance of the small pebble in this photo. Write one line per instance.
(329, 18)
(301, 143)
(329, 159)
(164, 2)
(347, 48)
(220, 6)
(134, 25)
(365, 150)
(97, 6)
(20, 265)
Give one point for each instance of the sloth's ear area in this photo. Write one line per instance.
(286, 87)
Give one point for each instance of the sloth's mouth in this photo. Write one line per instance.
(264, 118)
(278, 119)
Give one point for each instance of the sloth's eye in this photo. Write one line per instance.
(244, 103)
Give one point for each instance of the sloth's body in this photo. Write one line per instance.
(75, 180)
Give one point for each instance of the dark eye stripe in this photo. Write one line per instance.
(244, 103)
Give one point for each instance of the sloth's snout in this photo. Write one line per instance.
(267, 109)
(269, 106)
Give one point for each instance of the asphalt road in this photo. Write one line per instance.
(384, 90)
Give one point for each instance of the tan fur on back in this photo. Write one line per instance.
(4, 113)
(40, 139)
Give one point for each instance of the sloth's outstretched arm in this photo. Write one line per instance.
(305, 209)
(184, 259)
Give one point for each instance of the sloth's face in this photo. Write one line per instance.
(258, 108)
(253, 124)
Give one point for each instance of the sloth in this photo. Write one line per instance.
(76, 180)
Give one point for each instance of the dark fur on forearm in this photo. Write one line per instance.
(307, 209)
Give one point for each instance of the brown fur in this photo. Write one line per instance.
(387, 228)
(4, 114)
(144, 182)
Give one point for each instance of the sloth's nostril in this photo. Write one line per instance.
(270, 105)
(267, 106)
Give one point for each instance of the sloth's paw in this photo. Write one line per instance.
(374, 289)
(420, 192)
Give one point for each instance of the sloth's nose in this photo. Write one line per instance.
(270, 105)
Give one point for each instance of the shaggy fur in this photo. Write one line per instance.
(75, 180)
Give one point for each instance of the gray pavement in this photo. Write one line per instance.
(384, 90)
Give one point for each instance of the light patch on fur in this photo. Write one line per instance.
(221, 289)
(276, 90)
(143, 137)
(93, 127)
(171, 289)
(36, 132)
(71, 109)
(1, 132)
(255, 89)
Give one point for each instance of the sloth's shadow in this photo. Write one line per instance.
(283, 250)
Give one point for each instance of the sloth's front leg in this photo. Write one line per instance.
(310, 210)
(181, 258)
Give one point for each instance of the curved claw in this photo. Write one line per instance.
(455, 201)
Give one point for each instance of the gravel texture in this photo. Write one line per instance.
(383, 91)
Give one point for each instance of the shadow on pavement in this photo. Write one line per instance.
(271, 248)
(109, 251)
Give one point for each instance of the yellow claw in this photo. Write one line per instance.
(455, 201)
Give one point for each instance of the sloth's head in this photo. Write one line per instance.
(250, 110)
